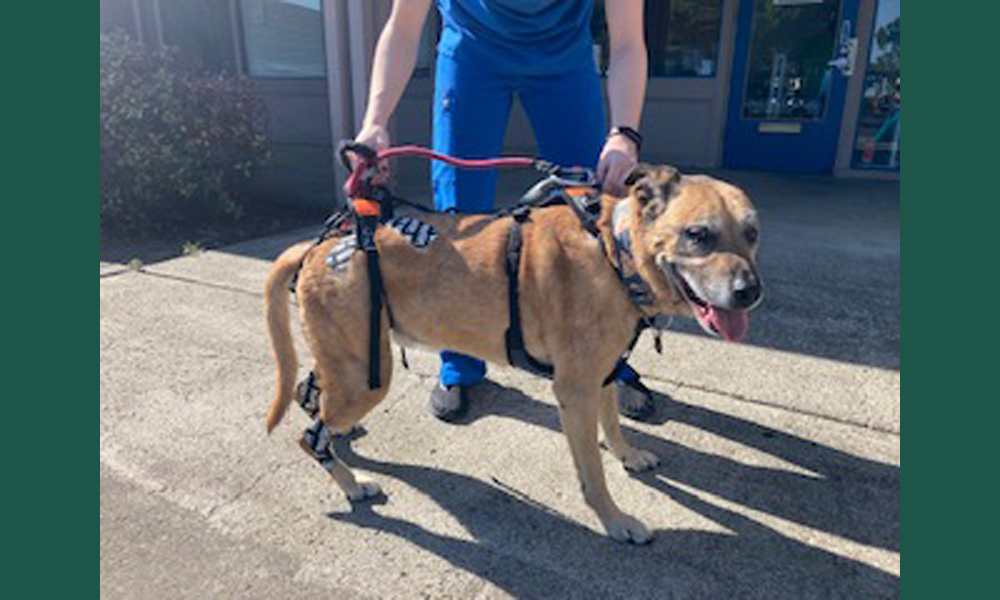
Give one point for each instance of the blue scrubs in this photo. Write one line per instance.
(489, 51)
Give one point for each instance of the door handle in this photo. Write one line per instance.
(845, 62)
(840, 63)
(847, 50)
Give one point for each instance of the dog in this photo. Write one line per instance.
(692, 239)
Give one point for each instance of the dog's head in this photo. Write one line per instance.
(695, 241)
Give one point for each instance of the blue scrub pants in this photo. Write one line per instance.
(471, 109)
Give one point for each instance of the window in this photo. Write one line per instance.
(682, 37)
(202, 29)
(876, 144)
(788, 71)
(118, 15)
(284, 38)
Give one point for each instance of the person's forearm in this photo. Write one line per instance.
(395, 57)
(627, 83)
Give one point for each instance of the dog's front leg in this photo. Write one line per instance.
(578, 410)
(632, 458)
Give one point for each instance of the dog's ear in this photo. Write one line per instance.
(654, 188)
(638, 172)
(671, 176)
(665, 175)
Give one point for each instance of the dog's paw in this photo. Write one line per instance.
(364, 491)
(630, 530)
(636, 461)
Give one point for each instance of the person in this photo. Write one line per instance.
(540, 50)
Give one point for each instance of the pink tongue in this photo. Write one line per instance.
(731, 324)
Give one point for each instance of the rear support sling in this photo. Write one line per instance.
(573, 186)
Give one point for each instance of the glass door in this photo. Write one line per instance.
(790, 70)
(876, 142)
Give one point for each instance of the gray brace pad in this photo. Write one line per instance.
(342, 252)
(418, 233)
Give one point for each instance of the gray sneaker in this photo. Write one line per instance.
(449, 403)
(635, 400)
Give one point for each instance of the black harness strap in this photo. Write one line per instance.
(639, 328)
(517, 353)
(587, 208)
(366, 241)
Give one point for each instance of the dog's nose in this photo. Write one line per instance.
(746, 291)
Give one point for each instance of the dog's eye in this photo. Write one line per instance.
(751, 234)
(698, 234)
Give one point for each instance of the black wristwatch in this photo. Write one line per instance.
(634, 136)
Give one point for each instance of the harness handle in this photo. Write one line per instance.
(364, 169)
(464, 163)
(347, 147)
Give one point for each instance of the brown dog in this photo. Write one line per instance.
(693, 241)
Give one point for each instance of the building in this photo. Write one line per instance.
(787, 85)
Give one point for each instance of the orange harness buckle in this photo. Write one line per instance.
(366, 208)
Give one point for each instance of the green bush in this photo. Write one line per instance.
(176, 143)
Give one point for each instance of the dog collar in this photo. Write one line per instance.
(639, 291)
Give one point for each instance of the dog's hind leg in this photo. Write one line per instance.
(343, 398)
(579, 405)
(336, 327)
(632, 458)
(307, 394)
(317, 441)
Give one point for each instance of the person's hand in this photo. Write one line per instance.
(618, 158)
(375, 137)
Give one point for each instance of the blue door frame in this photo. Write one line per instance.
(805, 146)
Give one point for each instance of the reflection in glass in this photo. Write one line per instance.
(202, 30)
(876, 144)
(791, 42)
(284, 38)
(119, 14)
(682, 37)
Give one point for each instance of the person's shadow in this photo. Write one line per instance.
(529, 550)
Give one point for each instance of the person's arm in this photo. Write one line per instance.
(626, 90)
(395, 57)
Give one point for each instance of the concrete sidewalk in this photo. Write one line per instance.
(780, 474)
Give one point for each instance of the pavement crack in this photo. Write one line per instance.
(245, 490)
(198, 282)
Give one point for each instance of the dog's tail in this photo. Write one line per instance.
(279, 329)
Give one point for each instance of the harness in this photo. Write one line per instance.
(371, 205)
(585, 202)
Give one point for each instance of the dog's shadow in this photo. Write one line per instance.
(529, 550)
(845, 495)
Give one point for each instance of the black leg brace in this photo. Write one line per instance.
(309, 395)
(320, 442)
(318, 437)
